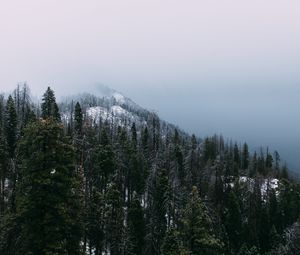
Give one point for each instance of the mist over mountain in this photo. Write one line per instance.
(264, 116)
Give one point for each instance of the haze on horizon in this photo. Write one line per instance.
(229, 67)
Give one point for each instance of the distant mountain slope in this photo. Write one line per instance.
(112, 106)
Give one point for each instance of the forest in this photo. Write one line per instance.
(132, 184)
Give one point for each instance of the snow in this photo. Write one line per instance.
(115, 113)
(96, 112)
(269, 184)
(265, 184)
(119, 98)
(118, 110)
(53, 171)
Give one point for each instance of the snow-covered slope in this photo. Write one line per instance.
(106, 104)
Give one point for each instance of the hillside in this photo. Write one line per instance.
(99, 174)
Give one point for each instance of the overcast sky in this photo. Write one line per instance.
(226, 66)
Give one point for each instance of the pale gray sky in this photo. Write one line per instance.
(227, 66)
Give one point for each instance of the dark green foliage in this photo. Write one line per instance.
(11, 126)
(3, 170)
(245, 157)
(95, 224)
(210, 151)
(9, 234)
(49, 106)
(233, 221)
(114, 217)
(78, 119)
(157, 222)
(198, 235)
(45, 199)
(173, 243)
(136, 228)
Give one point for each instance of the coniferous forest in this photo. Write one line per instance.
(128, 183)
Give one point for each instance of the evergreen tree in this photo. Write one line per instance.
(245, 156)
(233, 221)
(96, 222)
(197, 232)
(178, 158)
(236, 160)
(269, 160)
(49, 106)
(173, 244)
(136, 228)
(114, 218)
(11, 123)
(45, 199)
(78, 119)
(157, 222)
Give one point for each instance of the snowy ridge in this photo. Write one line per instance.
(115, 114)
(108, 105)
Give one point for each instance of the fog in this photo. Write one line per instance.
(229, 67)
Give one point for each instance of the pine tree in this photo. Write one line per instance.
(245, 156)
(114, 218)
(3, 158)
(49, 106)
(254, 215)
(45, 199)
(157, 210)
(197, 232)
(104, 163)
(11, 123)
(136, 228)
(233, 221)
(269, 160)
(96, 221)
(173, 244)
(236, 159)
(78, 119)
(178, 158)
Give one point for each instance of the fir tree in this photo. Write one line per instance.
(136, 228)
(173, 244)
(197, 232)
(233, 221)
(157, 222)
(114, 218)
(78, 119)
(245, 156)
(45, 199)
(49, 106)
(11, 126)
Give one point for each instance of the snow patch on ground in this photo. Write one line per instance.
(265, 184)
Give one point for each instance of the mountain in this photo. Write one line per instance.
(98, 174)
(109, 105)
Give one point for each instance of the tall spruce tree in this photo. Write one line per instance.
(49, 105)
(114, 219)
(233, 221)
(245, 156)
(136, 228)
(158, 203)
(11, 123)
(198, 236)
(78, 120)
(45, 198)
(173, 243)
